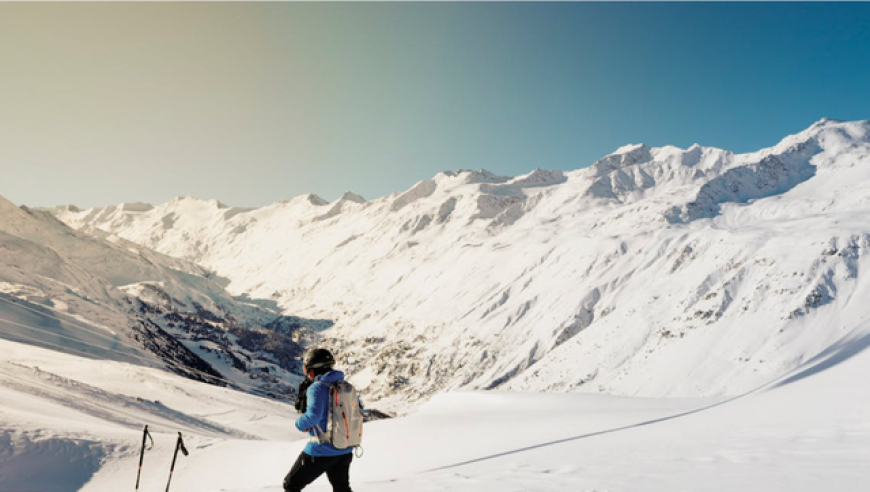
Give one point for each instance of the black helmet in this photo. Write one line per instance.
(318, 358)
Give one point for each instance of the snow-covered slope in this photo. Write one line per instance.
(65, 417)
(655, 271)
(109, 298)
(73, 424)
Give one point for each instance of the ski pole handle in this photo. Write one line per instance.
(181, 445)
(178, 445)
(145, 436)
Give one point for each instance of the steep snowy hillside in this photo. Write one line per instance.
(655, 271)
(113, 299)
(65, 417)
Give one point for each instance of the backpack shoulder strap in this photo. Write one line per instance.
(323, 435)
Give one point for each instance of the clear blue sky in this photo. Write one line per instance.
(254, 103)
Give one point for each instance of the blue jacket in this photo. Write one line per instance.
(317, 412)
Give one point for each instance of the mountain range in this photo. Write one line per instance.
(655, 271)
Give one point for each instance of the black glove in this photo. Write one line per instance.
(301, 396)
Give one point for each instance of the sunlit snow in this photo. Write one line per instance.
(666, 319)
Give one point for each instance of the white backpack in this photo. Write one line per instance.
(344, 421)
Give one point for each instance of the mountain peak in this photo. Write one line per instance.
(627, 155)
(539, 177)
(184, 198)
(826, 121)
(69, 207)
(827, 133)
(631, 149)
(125, 207)
(316, 200)
(352, 197)
(469, 176)
(308, 198)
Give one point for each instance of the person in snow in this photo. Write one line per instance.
(318, 458)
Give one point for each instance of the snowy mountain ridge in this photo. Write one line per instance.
(97, 295)
(655, 271)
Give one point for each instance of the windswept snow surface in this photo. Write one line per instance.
(64, 418)
(654, 272)
(75, 424)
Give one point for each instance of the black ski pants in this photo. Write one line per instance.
(307, 468)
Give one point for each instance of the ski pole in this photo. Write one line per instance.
(145, 435)
(178, 445)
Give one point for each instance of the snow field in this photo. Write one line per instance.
(808, 431)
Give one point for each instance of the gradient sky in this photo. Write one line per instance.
(254, 103)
